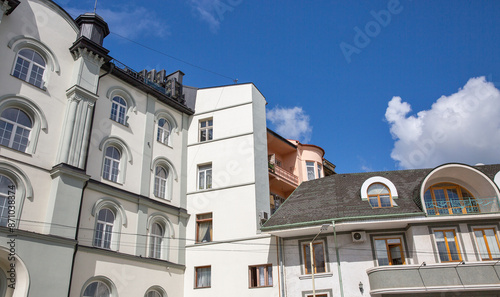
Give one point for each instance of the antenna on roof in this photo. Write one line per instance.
(95, 6)
(235, 81)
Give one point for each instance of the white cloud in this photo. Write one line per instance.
(129, 21)
(463, 127)
(213, 11)
(291, 123)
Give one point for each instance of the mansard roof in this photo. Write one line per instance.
(338, 197)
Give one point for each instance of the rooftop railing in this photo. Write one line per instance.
(156, 80)
(463, 206)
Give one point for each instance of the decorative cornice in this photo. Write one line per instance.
(86, 47)
(77, 93)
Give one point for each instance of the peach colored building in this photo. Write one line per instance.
(291, 163)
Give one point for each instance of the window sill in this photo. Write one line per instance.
(201, 288)
(260, 287)
(123, 124)
(39, 88)
(316, 275)
(14, 150)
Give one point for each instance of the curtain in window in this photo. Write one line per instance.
(203, 277)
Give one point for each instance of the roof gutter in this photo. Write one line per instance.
(327, 221)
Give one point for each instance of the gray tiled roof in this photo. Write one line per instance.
(339, 196)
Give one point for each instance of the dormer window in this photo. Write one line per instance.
(449, 199)
(379, 195)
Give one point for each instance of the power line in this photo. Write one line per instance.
(234, 80)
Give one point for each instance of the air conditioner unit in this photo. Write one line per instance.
(358, 236)
(264, 216)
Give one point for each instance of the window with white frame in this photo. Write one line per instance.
(29, 67)
(488, 244)
(161, 179)
(205, 177)
(260, 276)
(7, 190)
(318, 257)
(111, 167)
(203, 277)
(310, 170)
(319, 169)
(164, 131)
(206, 129)
(15, 129)
(97, 289)
(389, 251)
(447, 244)
(119, 110)
(104, 228)
(155, 240)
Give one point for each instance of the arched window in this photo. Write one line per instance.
(448, 198)
(155, 240)
(104, 228)
(29, 67)
(379, 195)
(119, 110)
(97, 289)
(153, 293)
(15, 128)
(164, 131)
(161, 178)
(7, 188)
(111, 167)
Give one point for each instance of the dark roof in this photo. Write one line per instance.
(339, 197)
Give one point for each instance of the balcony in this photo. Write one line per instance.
(283, 174)
(464, 205)
(451, 277)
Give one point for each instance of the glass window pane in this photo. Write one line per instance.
(319, 258)
(492, 243)
(381, 252)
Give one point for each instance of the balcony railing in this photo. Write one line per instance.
(290, 177)
(168, 86)
(462, 206)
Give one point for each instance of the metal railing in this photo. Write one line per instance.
(283, 173)
(170, 87)
(462, 206)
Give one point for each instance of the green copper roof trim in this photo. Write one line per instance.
(309, 223)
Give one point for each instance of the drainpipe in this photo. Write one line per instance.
(281, 265)
(338, 260)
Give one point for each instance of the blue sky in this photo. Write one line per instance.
(380, 85)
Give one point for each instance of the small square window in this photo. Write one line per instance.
(260, 276)
(206, 129)
(389, 251)
(203, 277)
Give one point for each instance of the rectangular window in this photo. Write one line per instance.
(310, 170)
(487, 241)
(206, 129)
(389, 251)
(260, 276)
(448, 249)
(319, 170)
(203, 277)
(205, 177)
(204, 227)
(318, 257)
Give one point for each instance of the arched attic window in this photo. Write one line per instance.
(449, 199)
(380, 192)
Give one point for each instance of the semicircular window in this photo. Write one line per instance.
(379, 195)
(449, 199)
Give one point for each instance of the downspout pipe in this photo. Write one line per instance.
(341, 285)
(281, 265)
